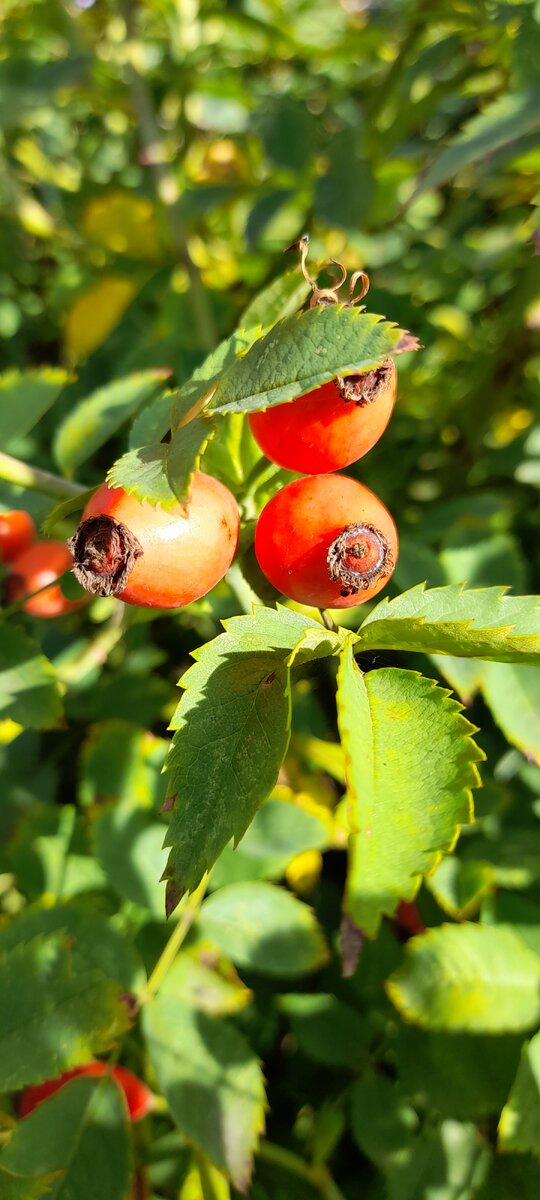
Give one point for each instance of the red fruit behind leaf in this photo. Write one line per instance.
(139, 1098)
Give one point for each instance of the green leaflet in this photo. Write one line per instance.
(212, 1081)
(231, 734)
(301, 353)
(81, 1135)
(468, 978)
(410, 764)
(473, 623)
(263, 928)
(51, 1018)
(29, 690)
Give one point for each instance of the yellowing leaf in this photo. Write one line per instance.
(93, 315)
(123, 224)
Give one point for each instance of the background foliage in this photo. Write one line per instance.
(154, 160)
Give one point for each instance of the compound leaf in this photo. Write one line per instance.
(410, 764)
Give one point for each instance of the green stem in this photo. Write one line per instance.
(242, 589)
(318, 1176)
(327, 621)
(187, 916)
(23, 475)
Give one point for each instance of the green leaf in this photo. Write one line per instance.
(476, 623)
(459, 886)
(327, 1030)
(302, 352)
(512, 693)
(215, 990)
(231, 734)
(500, 124)
(511, 1175)
(279, 300)
(93, 421)
(519, 1126)
(82, 1133)
(211, 1080)
(410, 764)
(25, 397)
(263, 928)
(29, 690)
(26, 84)
(19, 1187)
(50, 1018)
(383, 1123)
(185, 449)
(469, 978)
(344, 194)
(143, 474)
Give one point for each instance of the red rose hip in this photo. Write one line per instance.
(326, 540)
(330, 427)
(17, 532)
(41, 564)
(151, 556)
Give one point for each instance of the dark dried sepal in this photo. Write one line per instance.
(104, 552)
(365, 389)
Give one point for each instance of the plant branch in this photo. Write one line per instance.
(13, 470)
(186, 918)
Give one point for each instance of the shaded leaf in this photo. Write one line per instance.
(328, 1030)
(211, 1080)
(475, 978)
(29, 690)
(263, 928)
(512, 693)
(383, 1123)
(302, 352)
(185, 449)
(410, 764)
(94, 941)
(280, 299)
(231, 733)
(19, 1187)
(461, 1075)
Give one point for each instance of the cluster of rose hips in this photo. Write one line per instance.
(323, 540)
(34, 566)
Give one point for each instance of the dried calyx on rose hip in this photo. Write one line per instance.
(155, 557)
(337, 423)
(326, 540)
